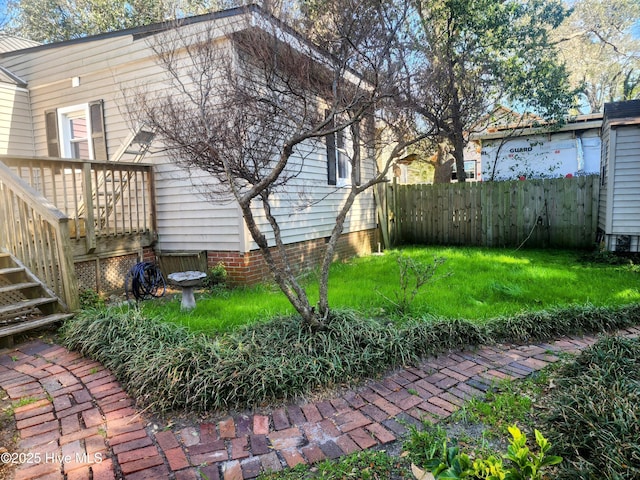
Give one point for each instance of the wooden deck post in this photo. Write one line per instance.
(89, 215)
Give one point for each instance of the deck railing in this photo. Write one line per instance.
(101, 199)
(37, 233)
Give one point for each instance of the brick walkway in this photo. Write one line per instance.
(76, 422)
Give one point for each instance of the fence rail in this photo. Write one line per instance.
(101, 199)
(37, 233)
(539, 213)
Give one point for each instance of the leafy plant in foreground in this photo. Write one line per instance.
(448, 463)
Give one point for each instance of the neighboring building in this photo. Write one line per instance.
(9, 43)
(619, 211)
(15, 118)
(66, 100)
(538, 151)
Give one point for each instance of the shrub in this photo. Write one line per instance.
(593, 414)
(89, 298)
(216, 276)
(414, 275)
(561, 321)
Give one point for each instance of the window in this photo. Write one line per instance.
(343, 161)
(76, 132)
(340, 158)
(73, 124)
(469, 170)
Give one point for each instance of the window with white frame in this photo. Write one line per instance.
(469, 170)
(341, 158)
(76, 132)
(75, 124)
(343, 161)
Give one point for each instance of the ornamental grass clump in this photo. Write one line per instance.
(593, 416)
(560, 321)
(167, 366)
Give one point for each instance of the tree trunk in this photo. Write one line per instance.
(458, 154)
(283, 276)
(443, 163)
(327, 260)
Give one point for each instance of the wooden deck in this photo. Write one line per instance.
(55, 213)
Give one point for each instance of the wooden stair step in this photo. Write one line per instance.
(32, 303)
(18, 286)
(5, 271)
(16, 328)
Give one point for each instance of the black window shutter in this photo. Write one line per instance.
(358, 156)
(98, 137)
(331, 158)
(51, 129)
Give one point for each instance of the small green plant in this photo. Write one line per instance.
(24, 401)
(426, 444)
(365, 465)
(526, 464)
(216, 276)
(414, 275)
(89, 298)
(20, 403)
(449, 463)
(499, 408)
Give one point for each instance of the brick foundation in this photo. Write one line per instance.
(250, 268)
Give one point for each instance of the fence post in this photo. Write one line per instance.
(393, 214)
(379, 194)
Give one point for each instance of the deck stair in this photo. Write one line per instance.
(25, 303)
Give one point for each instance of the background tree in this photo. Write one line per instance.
(471, 56)
(601, 52)
(56, 20)
(248, 114)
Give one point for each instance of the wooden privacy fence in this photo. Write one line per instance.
(559, 212)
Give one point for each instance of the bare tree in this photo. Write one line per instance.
(246, 109)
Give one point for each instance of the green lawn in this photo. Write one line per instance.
(476, 284)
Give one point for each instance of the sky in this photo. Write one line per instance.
(3, 11)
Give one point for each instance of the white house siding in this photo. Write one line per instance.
(107, 68)
(625, 210)
(308, 209)
(16, 132)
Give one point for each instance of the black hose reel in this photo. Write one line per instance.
(143, 281)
